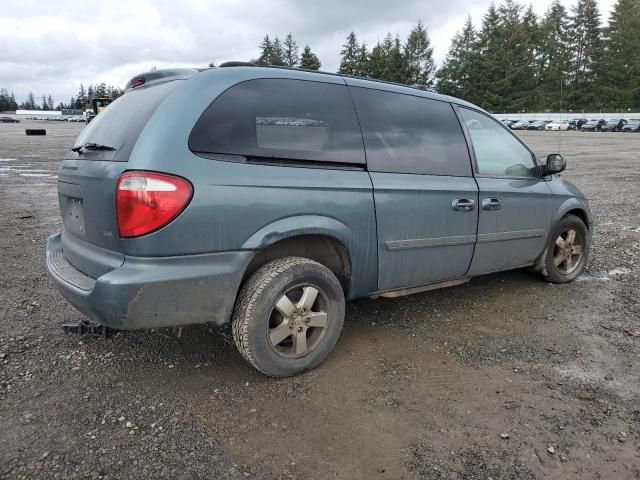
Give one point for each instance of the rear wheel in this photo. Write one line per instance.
(288, 316)
(567, 252)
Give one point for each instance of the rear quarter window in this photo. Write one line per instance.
(281, 119)
(120, 124)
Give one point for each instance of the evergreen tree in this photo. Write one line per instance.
(31, 102)
(266, 47)
(271, 51)
(81, 98)
(277, 54)
(418, 56)
(44, 105)
(395, 65)
(309, 60)
(621, 72)
(518, 35)
(455, 76)
(50, 102)
(555, 56)
(488, 65)
(362, 61)
(588, 52)
(349, 56)
(291, 58)
(376, 62)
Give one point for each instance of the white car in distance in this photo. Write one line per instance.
(558, 125)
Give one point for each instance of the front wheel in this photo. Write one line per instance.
(288, 316)
(567, 251)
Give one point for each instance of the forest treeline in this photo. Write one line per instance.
(513, 61)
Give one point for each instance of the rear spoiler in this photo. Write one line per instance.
(160, 76)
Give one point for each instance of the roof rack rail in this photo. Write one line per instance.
(261, 63)
(236, 63)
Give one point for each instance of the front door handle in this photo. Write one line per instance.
(463, 204)
(491, 204)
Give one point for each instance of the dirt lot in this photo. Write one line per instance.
(507, 377)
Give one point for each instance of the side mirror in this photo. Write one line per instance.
(555, 164)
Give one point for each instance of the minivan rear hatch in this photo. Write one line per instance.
(88, 175)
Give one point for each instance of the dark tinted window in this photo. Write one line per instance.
(409, 134)
(279, 118)
(120, 124)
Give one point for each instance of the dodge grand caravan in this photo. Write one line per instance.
(266, 197)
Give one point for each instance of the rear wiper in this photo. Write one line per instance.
(90, 146)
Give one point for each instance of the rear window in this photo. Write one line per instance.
(281, 119)
(120, 124)
(410, 134)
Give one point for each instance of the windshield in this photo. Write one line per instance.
(119, 125)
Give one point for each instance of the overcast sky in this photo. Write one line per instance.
(50, 46)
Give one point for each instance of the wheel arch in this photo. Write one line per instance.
(322, 239)
(577, 207)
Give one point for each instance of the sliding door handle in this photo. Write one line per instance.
(491, 204)
(463, 204)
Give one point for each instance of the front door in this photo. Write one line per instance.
(514, 202)
(424, 192)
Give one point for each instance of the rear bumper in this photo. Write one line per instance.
(153, 292)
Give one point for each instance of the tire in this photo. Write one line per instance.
(35, 131)
(273, 342)
(566, 271)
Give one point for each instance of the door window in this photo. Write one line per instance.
(411, 134)
(283, 119)
(498, 152)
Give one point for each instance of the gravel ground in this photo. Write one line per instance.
(505, 377)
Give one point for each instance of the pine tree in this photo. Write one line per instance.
(291, 58)
(455, 76)
(555, 57)
(376, 62)
(621, 72)
(31, 102)
(266, 47)
(309, 60)
(588, 48)
(277, 54)
(44, 105)
(81, 98)
(488, 69)
(349, 60)
(271, 52)
(362, 61)
(418, 56)
(395, 65)
(50, 105)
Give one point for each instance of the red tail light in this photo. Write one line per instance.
(146, 202)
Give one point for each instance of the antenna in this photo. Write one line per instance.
(560, 127)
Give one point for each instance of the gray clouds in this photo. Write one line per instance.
(52, 46)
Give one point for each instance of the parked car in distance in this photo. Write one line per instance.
(613, 125)
(632, 126)
(558, 125)
(520, 125)
(9, 120)
(576, 123)
(593, 125)
(537, 125)
(267, 197)
(507, 123)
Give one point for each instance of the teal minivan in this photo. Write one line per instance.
(269, 196)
